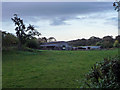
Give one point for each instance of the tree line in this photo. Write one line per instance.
(105, 42)
(10, 40)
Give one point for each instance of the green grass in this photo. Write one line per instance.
(49, 69)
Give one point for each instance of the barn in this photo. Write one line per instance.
(60, 45)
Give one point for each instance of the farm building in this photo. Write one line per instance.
(61, 45)
(89, 47)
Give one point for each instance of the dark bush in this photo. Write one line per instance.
(9, 40)
(32, 44)
(104, 74)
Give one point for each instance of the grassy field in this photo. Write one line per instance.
(49, 69)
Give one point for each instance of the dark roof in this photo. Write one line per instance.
(54, 42)
(58, 43)
(50, 45)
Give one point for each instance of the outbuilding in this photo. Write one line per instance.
(89, 47)
(60, 45)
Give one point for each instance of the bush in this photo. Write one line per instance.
(9, 40)
(107, 44)
(32, 44)
(105, 74)
(116, 44)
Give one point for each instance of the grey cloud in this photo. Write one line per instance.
(51, 9)
(56, 12)
(58, 0)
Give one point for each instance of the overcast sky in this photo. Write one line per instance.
(64, 20)
(58, 0)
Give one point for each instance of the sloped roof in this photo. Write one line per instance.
(50, 45)
(55, 42)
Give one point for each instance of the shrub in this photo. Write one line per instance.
(9, 40)
(32, 44)
(104, 74)
(107, 44)
(116, 44)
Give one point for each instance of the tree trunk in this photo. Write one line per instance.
(20, 44)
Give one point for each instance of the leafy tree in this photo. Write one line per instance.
(107, 42)
(83, 42)
(93, 40)
(108, 38)
(51, 39)
(23, 33)
(44, 39)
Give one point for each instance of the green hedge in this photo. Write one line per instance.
(104, 74)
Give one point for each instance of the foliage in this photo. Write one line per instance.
(118, 38)
(51, 39)
(44, 39)
(116, 44)
(8, 40)
(32, 43)
(104, 74)
(98, 44)
(107, 44)
(93, 40)
(23, 33)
